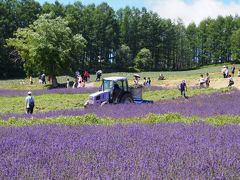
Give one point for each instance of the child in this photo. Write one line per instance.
(68, 83)
(231, 82)
(149, 82)
(183, 88)
(201, 81)
(144, 81)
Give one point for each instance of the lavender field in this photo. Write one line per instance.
(162, 151)
(203, 106)
(11, 93)
(176, 138)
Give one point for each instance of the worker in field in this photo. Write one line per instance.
(207, 80)
(30, 79)
(183, 88)
(231, 82)
(29, 103)
(233, 70)
(201, 81)
(136, 79)
(98, 75)
(149, 82)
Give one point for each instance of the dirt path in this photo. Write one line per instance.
(214, 83)
(90, 84)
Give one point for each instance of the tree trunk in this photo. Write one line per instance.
(54, 81)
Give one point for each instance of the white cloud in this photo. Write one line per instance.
(195, 11)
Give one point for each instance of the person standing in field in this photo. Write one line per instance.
(149, 81)
(233, 70)
(43, 78)
(183, 88)
(68, 83)
(144, 81)
(29, 103)
(201, 81)
(30, 79)
(231, 82)
(207, 80)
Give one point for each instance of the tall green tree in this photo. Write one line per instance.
(235, 45)
(193, 38)
(56, 8)
(204, 42)
(143, 60)
(183, 53)
(14, 14)
(124, 58)
(47, 46)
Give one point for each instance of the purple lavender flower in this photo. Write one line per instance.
(8, 92)
(160, 151)
(202, 105)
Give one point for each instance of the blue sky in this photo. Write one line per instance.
(187, 10)
(121, 3)
(116, 4)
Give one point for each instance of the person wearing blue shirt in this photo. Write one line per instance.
(183, 88)
(29, 103)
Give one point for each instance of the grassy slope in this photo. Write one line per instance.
(172, 77)
(50, 102)
(43, 103)
(59, 101)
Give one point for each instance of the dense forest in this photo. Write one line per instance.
(129, 39)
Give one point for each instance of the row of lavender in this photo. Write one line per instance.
(202, 105)
(10, 92)
(163, 151)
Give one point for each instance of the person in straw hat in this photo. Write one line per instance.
(136, 80)
(29, 103)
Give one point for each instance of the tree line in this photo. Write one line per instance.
(61, 39)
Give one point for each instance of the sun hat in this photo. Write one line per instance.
(29, 92)
(136, 75)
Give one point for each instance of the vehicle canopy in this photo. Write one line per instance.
(115, 78)
(109, 82)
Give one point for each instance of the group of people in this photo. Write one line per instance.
(84, 76)
(146, 81)
(204, 82)
(226, 74)
(80, 79)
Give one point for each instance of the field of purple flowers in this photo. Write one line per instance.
(202, 105)
(134, 151)
(9, 92)
(160, 151)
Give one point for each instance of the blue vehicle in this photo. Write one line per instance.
(116, 90)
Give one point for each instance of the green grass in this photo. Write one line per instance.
(48, 102)
(190, 74)
(43, 103)
(170, 75)
(24, 84)
(174, 93)
(91, 119)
